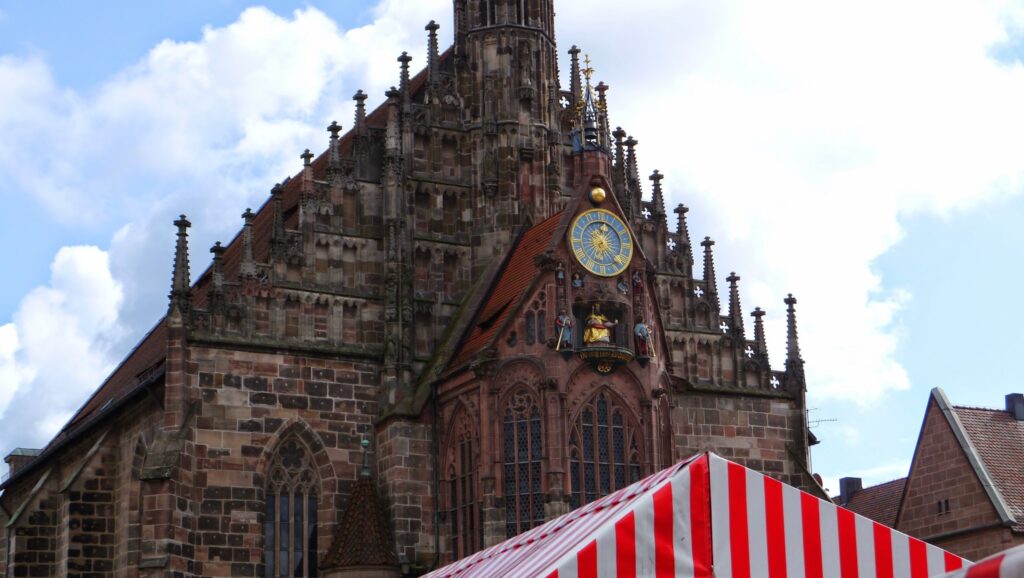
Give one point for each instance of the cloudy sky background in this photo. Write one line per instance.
(866, 157)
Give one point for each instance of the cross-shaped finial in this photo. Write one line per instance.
(698, 292)
(307, 158)
(646, 213)
(671, 244)
(334, 129)
(587, 71)
(656, 176)
(359, 95)
(724, 327)
(749, 352)
(774, 382)
(248, 215)
(432, 26)
(405, 59)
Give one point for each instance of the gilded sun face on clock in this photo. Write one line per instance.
(601, 242)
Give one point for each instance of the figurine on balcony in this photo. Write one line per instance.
(564, 324)
(644, 339)
(599, 328)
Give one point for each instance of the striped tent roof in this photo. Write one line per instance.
(708, 516)
(1008, 564)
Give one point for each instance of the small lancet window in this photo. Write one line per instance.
(522, 448)
(290, 512)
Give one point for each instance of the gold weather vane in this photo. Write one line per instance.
(588, 70)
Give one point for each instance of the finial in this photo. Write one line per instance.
(709, 271)
(683, 231)
(587, 70)
(307, 158)
(181, 285)
(334, 128)
(277, 234)
(656, 197)
(403, 85)
(794, 377)
(248, 265)
(218, 266)
(632, 170)
(365, 471)
(574, 77)
(759, 340)
(735, 311)
(432, 56)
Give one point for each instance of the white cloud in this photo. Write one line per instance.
(58, 347)
(799, 132)
(802, 133)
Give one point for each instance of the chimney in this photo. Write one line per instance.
(847, 488)
(19, 458)
(1015, 405)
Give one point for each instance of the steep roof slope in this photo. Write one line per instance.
(999, 441)
(881, 503)
(519, 271)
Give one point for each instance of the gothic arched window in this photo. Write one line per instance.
(289, 525)
(465, 528)
(604, 450)
(524, 502)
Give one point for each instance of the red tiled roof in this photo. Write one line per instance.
(519, 271)
(881, 503)
(999, 441)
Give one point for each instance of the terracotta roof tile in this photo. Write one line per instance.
(363, 538)
(999, 440)
(881, 503)
(519, 271)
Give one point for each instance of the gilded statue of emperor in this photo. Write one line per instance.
(598, 329)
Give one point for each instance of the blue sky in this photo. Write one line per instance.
(867, 159)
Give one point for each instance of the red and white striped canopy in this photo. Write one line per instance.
(706, 515)
(1008, 564)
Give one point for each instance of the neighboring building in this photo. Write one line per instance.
(965, 489)
(471, 279)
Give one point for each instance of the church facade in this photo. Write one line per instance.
(462, 319)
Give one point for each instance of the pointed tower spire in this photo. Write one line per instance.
(575, 89)
(432, 57)
(392, 138)
(657, 199)
(632, 172)
(334, 159)
(683, 232)
(603, 135)
(709, 271)
(360, 121)
(590, 109)
(759, 341)
(181, 284)
(403, 85)
(217, 291)
(619, 170)
(735, 312)
(248, 265)
(794, 378)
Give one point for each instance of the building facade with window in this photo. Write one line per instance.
(471, 278)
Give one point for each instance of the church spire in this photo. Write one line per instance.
(794, 377)
(575, 89)
(735, 312)
(181, 284)
(403, 85)
(657, 199)
(683, 232)
(334, 158)
(248, 266)
(759, 340)
(434, 77)
(709, 271)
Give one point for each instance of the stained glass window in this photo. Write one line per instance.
(463, 506)
(523, 449)
(290, 511)
(604, 450)
(531, 328)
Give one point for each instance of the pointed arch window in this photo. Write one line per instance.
(465, 528)
(289, 523)
(522, 447)
(604, 450)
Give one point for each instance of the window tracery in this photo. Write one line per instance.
(522, 448)
(289, 524)
(604, 450)
(465, 528)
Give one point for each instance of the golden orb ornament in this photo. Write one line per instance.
(598, 195)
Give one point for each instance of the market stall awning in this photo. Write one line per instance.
(704, 515)
(1008, 564)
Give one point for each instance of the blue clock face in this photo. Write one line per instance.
(601, 242)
